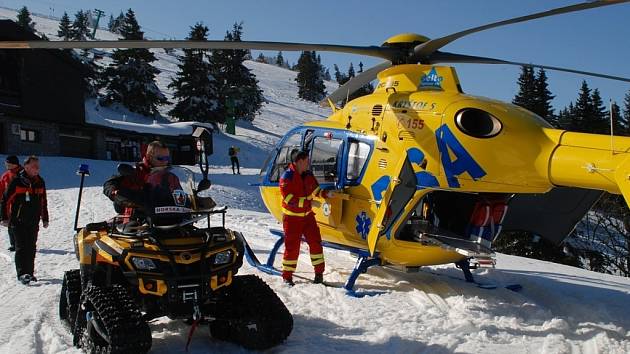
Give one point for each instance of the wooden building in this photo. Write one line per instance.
(42, 109)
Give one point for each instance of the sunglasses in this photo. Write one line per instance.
(163, 158)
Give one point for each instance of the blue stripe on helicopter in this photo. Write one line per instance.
(423, 178)
(379, 187)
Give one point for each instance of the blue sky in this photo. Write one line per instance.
(592, 40)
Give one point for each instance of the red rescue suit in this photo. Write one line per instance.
(298, 219)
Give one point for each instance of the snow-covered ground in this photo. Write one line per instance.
(559, 310)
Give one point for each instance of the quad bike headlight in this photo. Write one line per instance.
(223, 257)
(144, 263)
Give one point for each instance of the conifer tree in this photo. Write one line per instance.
(238, 86)
(111, 23)
(351, 71)
(543, 98)
(24, 19)
(65, 28)
(339, 77)
(280, 59)
(625, 112)
(620, 125)
(261, 58)
(598, 120)
(80, 29)
(326, 76)
(195, 88)
(310, 83)
(130, 79)
(583, 109)
(526, 96)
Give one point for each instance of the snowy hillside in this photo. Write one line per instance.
(559, 310)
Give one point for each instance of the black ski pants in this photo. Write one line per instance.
(25, 246)
(11, 230)
(234, 160)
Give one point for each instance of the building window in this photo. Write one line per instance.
(31, 136)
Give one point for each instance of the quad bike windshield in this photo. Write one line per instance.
(171, 196)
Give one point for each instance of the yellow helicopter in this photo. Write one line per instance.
(426, 174)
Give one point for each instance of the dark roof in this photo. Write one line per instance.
(11, 31)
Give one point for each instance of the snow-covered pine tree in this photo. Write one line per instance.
(24, 19)
(130, 79)
(80, 30)
(351, 71)
(309, 78)
(280, 59)
(261, 58)
(339, 77)
(65, 27)
(237, 85)
(195, 89)
(111, 23)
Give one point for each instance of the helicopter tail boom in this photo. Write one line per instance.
(592, 161)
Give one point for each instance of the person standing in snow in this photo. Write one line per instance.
(13, 168)
(23, 205)
(298, 186)
(233, 152)
(127, 191)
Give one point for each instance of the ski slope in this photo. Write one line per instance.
(559, 310)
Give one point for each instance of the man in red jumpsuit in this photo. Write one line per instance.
(298, 186)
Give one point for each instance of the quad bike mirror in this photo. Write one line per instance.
(125, 169)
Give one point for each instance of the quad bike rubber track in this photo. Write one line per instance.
(110, 322)
(251, 315)
(70, 297)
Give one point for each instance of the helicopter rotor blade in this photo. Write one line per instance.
(445, 57)
(426, 49)
(374, 51)
(356, 83)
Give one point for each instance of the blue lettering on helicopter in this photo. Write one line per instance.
(379, 187)
(463, 161)
(424, 179)
(431, 80)
(363, 224)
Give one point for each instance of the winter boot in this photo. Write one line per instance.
(288, 281)
(25, 279)
(319, 278)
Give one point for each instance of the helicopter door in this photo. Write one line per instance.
(397, 195)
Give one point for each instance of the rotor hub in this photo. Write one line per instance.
(405, 42)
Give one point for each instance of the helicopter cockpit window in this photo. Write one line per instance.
(324, 159)
(283, 158)
(358, 153)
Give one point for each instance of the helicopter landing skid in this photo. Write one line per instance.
(364, 262)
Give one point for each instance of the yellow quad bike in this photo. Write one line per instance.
(130, 273)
